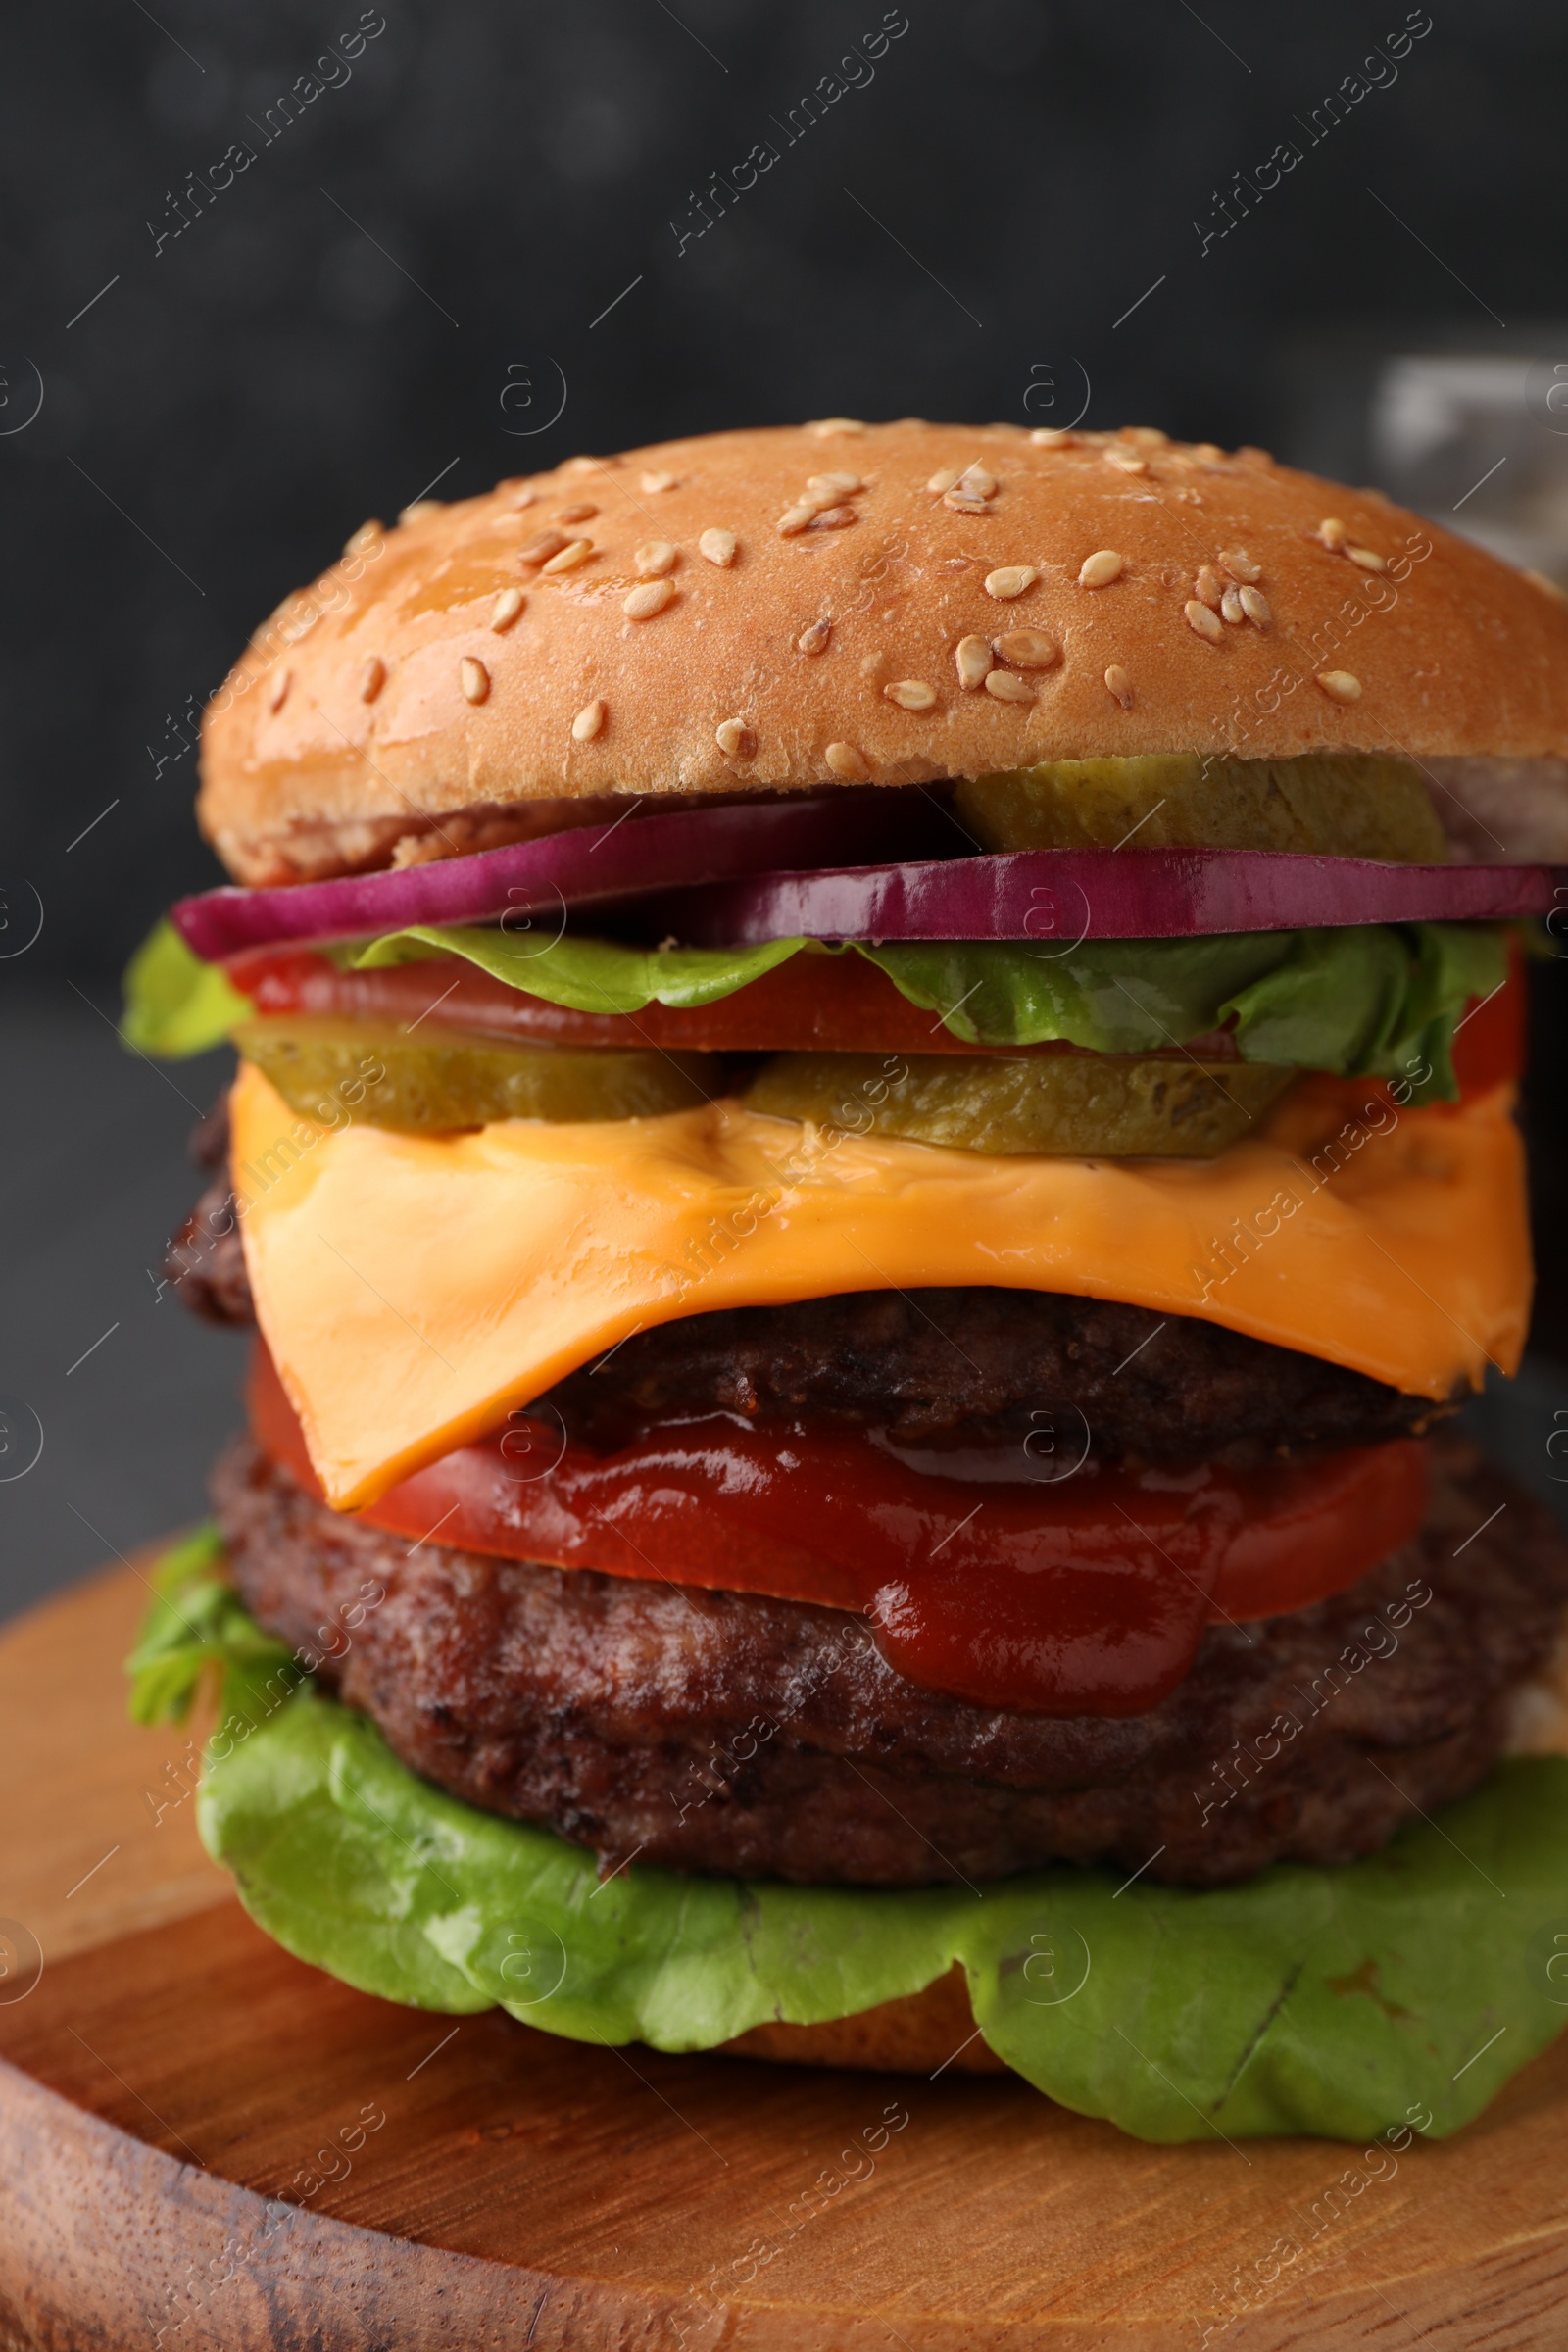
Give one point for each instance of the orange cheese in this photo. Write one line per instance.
(412, 1289)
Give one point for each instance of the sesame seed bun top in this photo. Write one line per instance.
(837, 602)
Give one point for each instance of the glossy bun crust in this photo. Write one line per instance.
(729, 614)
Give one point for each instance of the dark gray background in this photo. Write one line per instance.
(330, 334)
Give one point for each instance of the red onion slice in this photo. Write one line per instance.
(1060, 897)
(632, 856)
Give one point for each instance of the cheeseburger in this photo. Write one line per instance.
(873, 1146)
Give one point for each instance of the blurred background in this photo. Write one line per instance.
(265, 272)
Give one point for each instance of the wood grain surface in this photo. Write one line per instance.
(205, 2143)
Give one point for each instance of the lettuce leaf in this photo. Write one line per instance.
(1372, 1000)
(587, 975)
(175, 1004)
(1367, 1000)
(1402, 1991)
(197, 1630)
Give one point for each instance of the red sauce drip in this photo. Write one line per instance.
(1009, 1578)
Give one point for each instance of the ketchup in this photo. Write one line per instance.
(1036, 1579)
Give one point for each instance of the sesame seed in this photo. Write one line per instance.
(508, 604)
(418, 510)
(1124, 462)
(372, 677)
(975, 482)
(279, 694)
(1203, 621)
(1011, 580)
(717, 546)
(523, 496)
(1332, 534)
(581, 466)
(834, 519)
(1029, 649)
(365, 537)
(943, 480)
(1255, 605)
(1239, 564)
(1230, 607)
(826, 426)
(1101, 569)
(795, 518)
(973, 657)
(827, 487)
(575, 513)
(1339, 685)
(476, 678)
(1366, 558)
(847, 763)
(1209, 587)
(1208, 453)
(577, 552)
(813, 640)
(654, 560)
(1119, 685)
(1009, 687)
(588, 721)
(1146, 436)
(652, 484)
(539, 549)
(961, 504)
(1054, 436)
(734, 739)
(912, 694)
(651, 598)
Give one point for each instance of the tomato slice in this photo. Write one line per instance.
(993, 1576)
(840, 1003)
(1489, 1045)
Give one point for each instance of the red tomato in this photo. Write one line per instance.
(839, 1003)
(1489, 1045)
(1028, 1580)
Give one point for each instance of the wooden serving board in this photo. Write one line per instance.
(170, 2071)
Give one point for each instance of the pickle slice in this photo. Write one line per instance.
(1336, 805)
(1079, 1105)
(427, 1081)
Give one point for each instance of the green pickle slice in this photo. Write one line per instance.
(439, 1080)
(1078, 1106)
(1345, 805)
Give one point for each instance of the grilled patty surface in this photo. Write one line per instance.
(733, 1733)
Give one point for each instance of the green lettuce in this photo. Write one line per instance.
(197, 1630)
(175, 1004)
(1369, 1000)
(1372, 1000)
(587, 975)
(1336, 2003)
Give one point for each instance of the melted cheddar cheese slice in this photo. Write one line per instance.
(412, 1289)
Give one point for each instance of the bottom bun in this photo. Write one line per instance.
(922, 2034)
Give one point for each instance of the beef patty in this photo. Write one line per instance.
(728, 1732)
(977, 1364)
